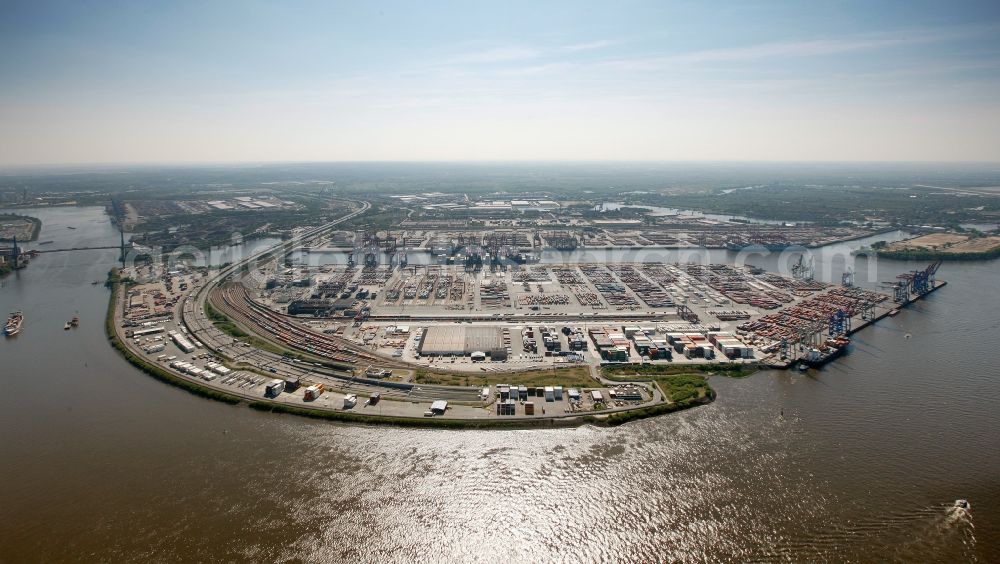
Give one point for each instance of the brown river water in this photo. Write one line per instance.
(102, 463)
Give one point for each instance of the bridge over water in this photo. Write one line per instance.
(76, 249)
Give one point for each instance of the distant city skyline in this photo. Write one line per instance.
(187, 82)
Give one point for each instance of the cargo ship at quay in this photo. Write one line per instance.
(817, 357)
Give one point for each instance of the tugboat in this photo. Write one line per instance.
(13, 325)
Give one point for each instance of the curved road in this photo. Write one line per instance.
(192, 317)
(225, 346)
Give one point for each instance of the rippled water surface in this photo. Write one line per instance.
(860, 461)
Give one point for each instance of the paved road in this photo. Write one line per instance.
(193, 317)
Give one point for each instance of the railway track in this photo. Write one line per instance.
(245, 317)
(235, 302)
(240, 306)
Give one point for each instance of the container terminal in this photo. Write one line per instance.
(334, 333)
(364, 331)
(487, 241)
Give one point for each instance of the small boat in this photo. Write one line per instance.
(75, 322)
(893, 313)
(350, 400)
(803, 367)
(66, 327)
(70, 227)
(46, 243)
(13, 325)
(963, 504)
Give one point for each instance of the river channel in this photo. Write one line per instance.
(860, 461)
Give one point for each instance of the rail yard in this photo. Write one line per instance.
(169, 318)
(161, 321)
(318, 334)
(370, 330)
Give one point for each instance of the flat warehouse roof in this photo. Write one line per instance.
(452, 339)
(483, 339)
(448, 339)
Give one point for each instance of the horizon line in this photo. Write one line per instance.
(251, 163)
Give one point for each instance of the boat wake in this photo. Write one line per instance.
(949, 533)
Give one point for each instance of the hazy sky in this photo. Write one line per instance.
(173, 81)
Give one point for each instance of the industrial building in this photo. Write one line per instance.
(457, 340)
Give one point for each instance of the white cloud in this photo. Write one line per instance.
(804, 48)
(513, 53)
(600, 44)
(785, 49)
(496, 55)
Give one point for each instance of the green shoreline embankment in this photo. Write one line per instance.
(603, 420)
(927, 254)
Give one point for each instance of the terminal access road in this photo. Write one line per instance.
(194, 319)
(255, 365)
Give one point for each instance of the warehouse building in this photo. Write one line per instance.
(456, 340)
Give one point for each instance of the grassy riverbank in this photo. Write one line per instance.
(575, 376)
(677, 387)
(938, 246)
(682, 388)
(684, 385)
(623, 417)
(929, 254)
(647, 371)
